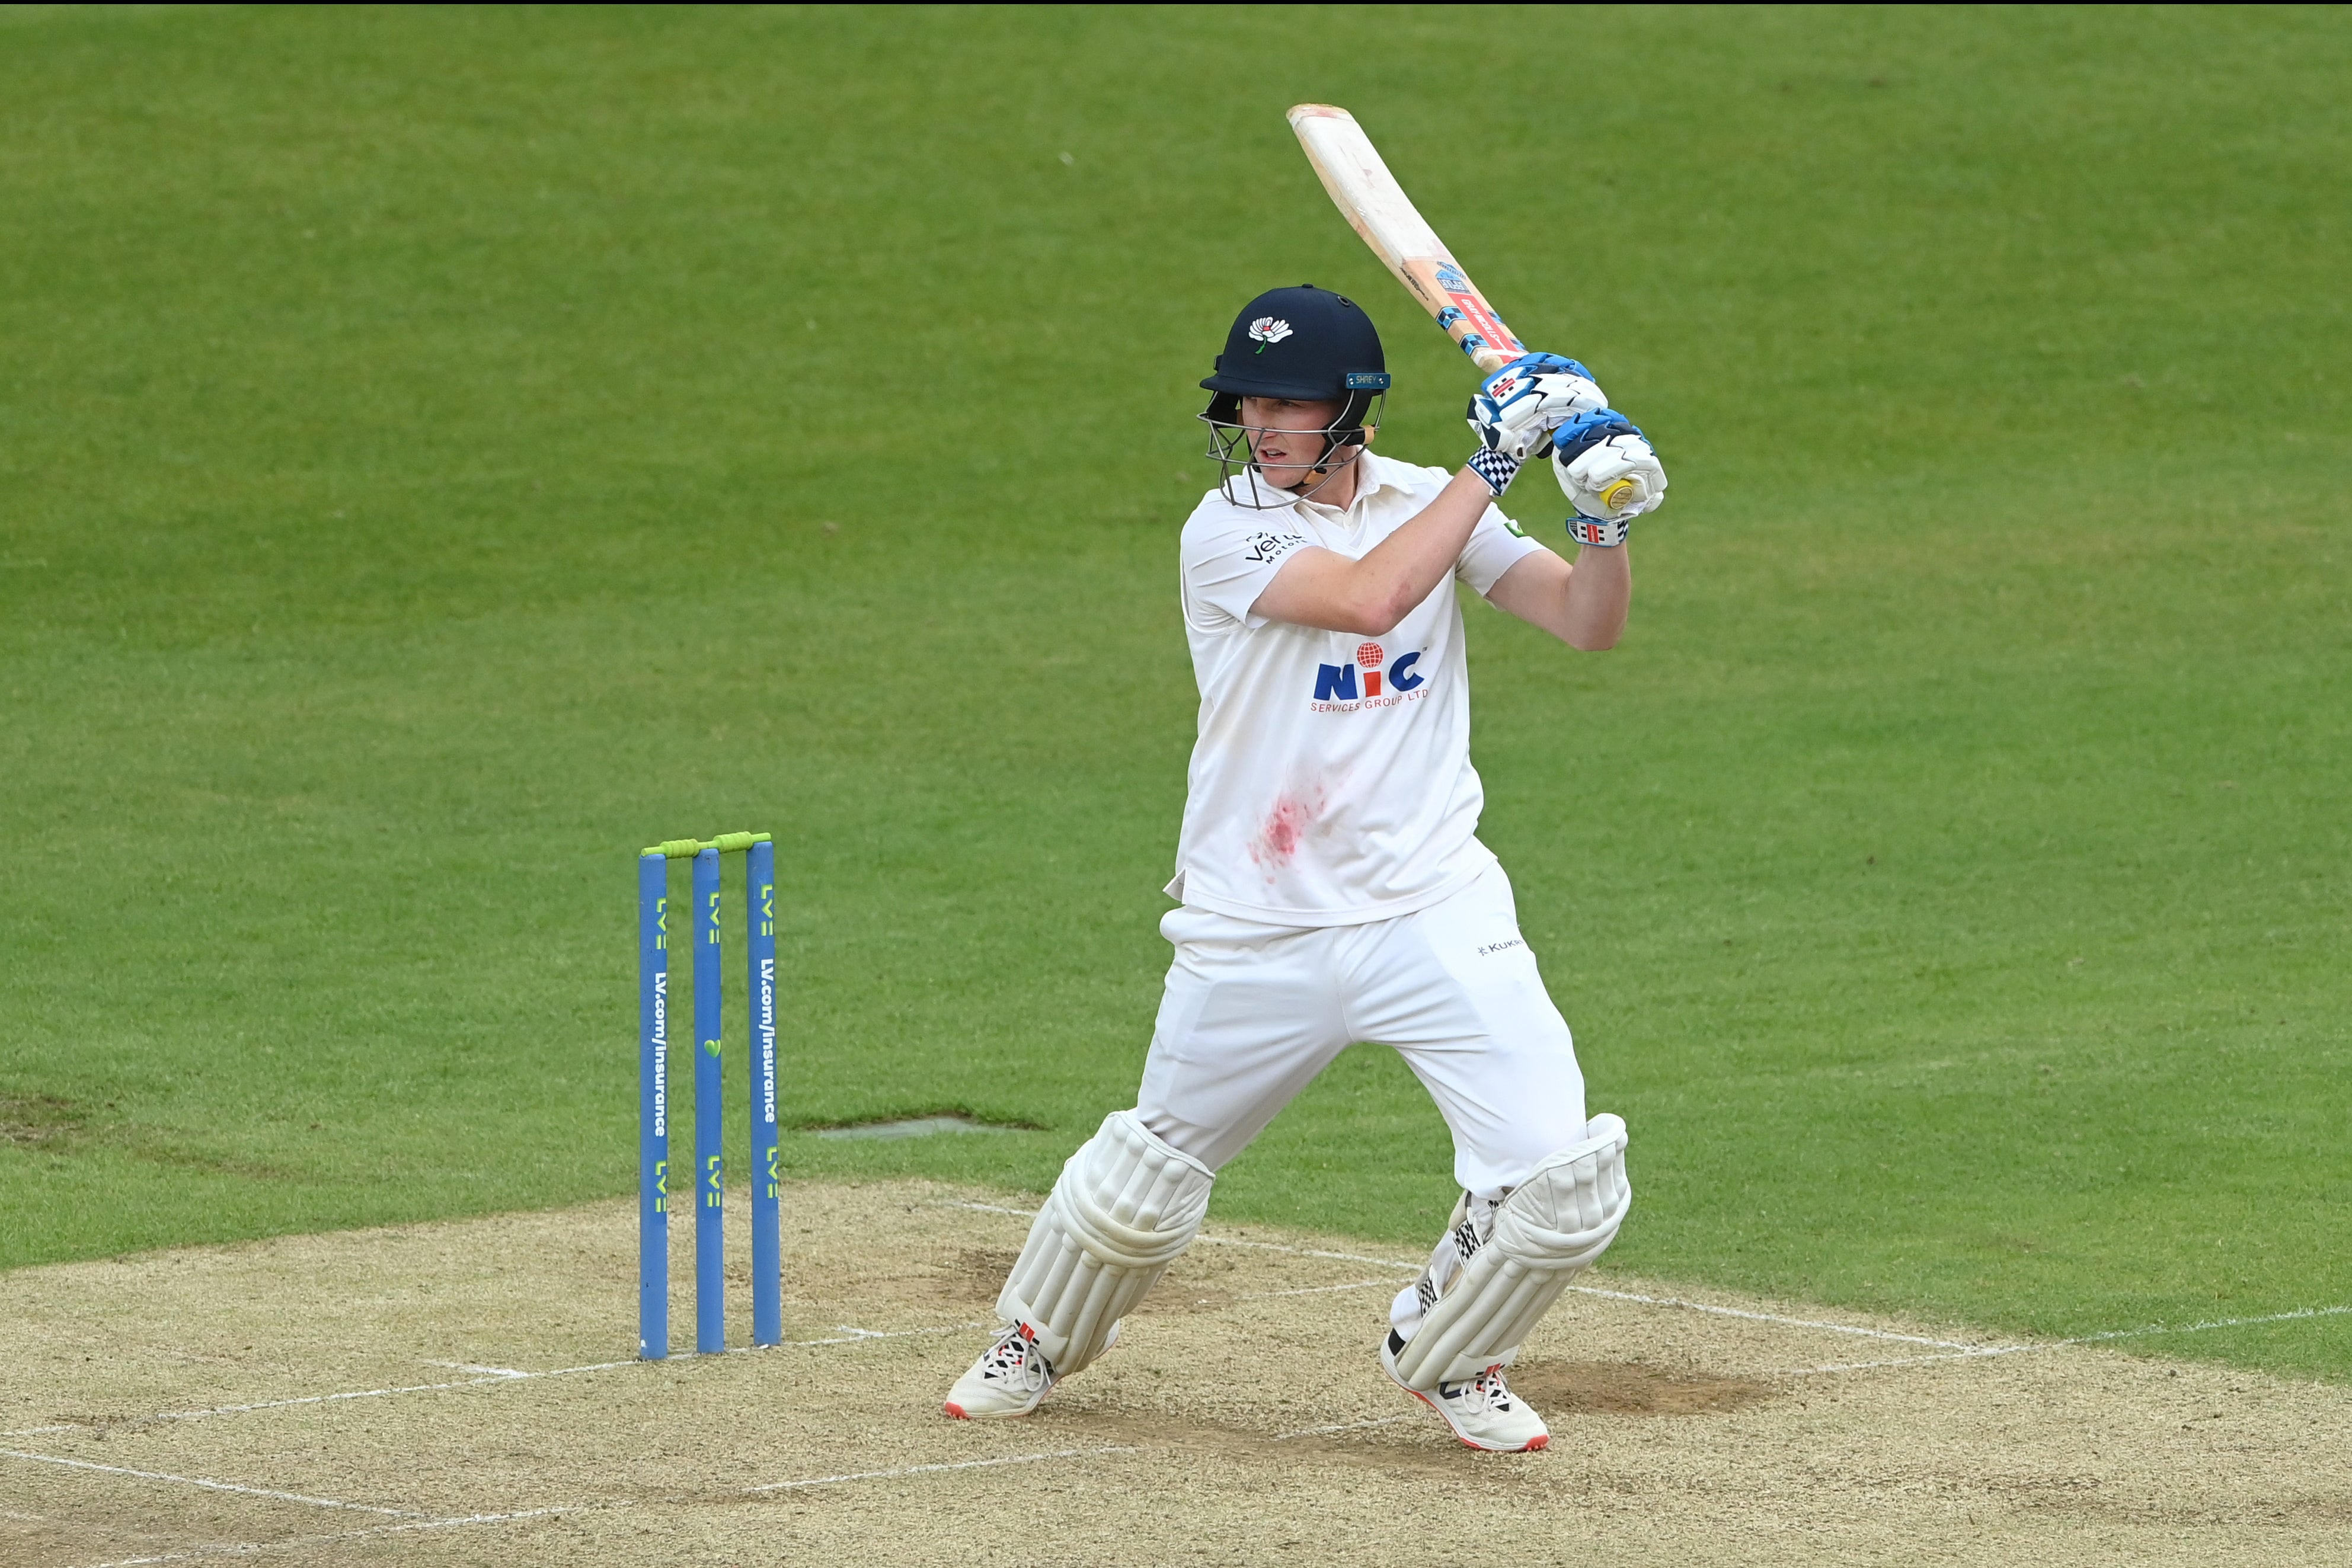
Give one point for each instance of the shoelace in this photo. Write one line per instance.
(1011, 1359)
(1487, 1391)
(1498, 1392)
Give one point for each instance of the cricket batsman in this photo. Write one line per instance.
(1332, 885)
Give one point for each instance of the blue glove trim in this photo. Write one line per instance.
(1578, 436)
(1541, 364)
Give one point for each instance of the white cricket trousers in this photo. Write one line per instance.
(1253, 1012)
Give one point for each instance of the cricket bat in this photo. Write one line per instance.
(1371, 201)
(1377, 208)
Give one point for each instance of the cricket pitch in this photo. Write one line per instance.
(464, 1393)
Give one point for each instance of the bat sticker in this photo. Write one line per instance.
(1463, 304)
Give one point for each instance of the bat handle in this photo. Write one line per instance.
(1489, 360)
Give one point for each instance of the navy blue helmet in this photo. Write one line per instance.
(1305, 344)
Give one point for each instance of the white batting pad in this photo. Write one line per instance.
(1550, 1228)
(1126, 1205)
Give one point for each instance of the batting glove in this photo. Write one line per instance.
(1609, 474)
(1517, 408)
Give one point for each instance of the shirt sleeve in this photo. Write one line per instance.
(1228, 561)
(1496, 546)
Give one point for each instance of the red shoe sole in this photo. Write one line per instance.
(1528, 1448)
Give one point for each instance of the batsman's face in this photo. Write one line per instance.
(1286, 436)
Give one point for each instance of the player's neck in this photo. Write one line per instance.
(1340, 489)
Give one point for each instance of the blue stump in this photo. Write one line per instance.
(767, 1245)
(711, 1180)
(653, 1106)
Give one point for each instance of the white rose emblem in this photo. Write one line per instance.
(1268, 329)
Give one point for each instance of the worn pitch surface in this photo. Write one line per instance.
(463, 1393)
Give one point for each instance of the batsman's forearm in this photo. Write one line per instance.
(1371, 596)
(1400, 571)
(1600, 593)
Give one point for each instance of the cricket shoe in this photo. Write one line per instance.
(1483, 1412)
(1008, 1379)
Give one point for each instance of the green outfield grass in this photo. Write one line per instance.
(442, 452)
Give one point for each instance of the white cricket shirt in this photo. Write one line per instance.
(1330, 784)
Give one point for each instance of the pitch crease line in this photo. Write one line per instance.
(202, 1481)
(934, 1469)
(250, 1548)
(2210, 1324)
(241, 1548)
(492, 1378)
(1979, 1352)
(1346, 1426)
(1217, 1241)
(1769, 1317)
(1316, 1289)
(853, 1334)
(1309, 1252)
(501, 1375)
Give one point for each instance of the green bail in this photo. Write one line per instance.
(686, 849)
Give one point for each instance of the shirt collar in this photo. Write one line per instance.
(1373, 475)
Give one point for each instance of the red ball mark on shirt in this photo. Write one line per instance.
(1369, 655)
(1276, 843)
(1283, 828)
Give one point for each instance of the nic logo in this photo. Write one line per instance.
(1337, 683)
